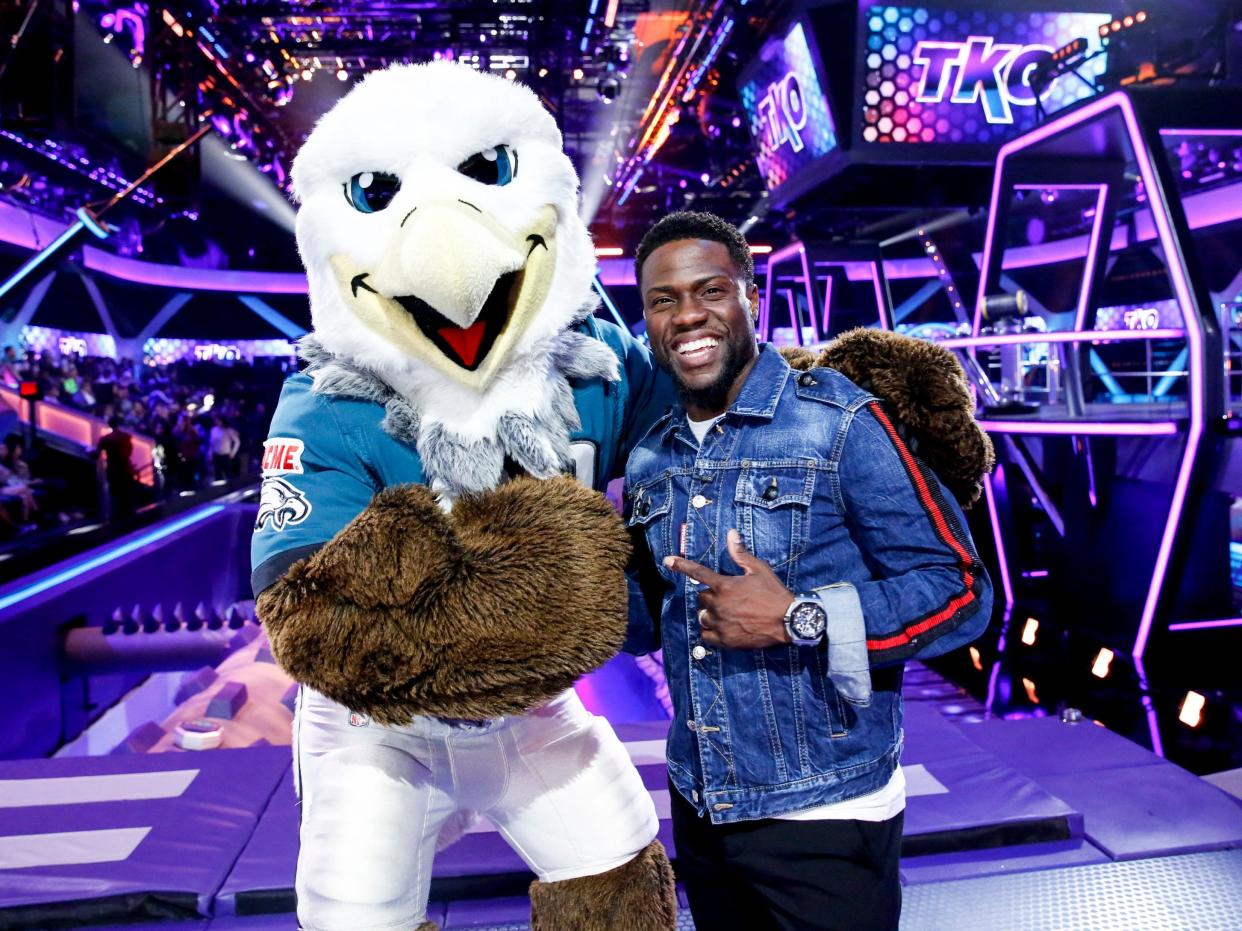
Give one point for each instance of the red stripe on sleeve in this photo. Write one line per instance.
(943, 531)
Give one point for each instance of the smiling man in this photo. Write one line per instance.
(803, 554)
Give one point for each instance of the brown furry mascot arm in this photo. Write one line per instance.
(925, 387)
(487, 611)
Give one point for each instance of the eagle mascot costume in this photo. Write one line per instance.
(433, 560)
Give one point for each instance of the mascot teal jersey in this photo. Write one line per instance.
(325, 459)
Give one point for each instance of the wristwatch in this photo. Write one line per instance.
(806, 621)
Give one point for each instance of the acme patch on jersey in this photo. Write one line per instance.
(282, 456)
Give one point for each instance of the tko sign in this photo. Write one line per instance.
(980, 69)
(783, 113)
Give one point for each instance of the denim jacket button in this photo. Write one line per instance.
(699, 651)
(806, 380)
(693, 725)
(695, 794)
(698, 501)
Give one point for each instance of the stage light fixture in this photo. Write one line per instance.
(1029, 630)
(1103, 660)
(976, 658)
(1126, 22)
(1191, 711)
(1030, 691)
(608, 88)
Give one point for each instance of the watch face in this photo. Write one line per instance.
(808, 621)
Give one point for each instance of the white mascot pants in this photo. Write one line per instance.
(556, 782)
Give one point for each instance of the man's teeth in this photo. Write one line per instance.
(695, 345)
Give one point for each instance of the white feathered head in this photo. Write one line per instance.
(439, 226)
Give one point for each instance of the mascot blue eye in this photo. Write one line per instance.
(369, 191)
(491, 166)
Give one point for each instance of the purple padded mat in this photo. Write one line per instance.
(194, 924)
(1046, 746)
(281, 922)
(120, 837)
(262, 878)
(471, 914)
(967, 864)
(1148, 811)
(264, 871)
(987, 804)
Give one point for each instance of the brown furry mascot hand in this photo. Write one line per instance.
(926, 388)
(489, 610)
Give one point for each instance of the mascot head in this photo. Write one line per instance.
(439, 228)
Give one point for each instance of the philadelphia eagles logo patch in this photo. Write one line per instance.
(280, 505)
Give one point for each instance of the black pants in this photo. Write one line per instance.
(788, 875)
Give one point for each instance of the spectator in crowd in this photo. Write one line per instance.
(117, 450)
(16, 494)
(253, 432)
(12, 457)
(69, 381)
(137, 416)
(9, 368)
(225, 444)
(167, 403)
(188, 441)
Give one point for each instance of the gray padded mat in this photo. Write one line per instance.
(1194, 892)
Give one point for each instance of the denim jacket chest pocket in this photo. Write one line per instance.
(650, 506)
(772, 505)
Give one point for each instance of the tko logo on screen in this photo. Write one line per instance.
(979, 69)
(1142, 318)
(783, 113)
(214, 351)
(282, 456)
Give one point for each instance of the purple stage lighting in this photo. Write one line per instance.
(989, 494)
(1098, 109)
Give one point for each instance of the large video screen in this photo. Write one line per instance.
(782, 92)
(959, 74)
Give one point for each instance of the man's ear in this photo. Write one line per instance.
(752, 295)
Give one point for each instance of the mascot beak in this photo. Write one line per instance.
(454, 288)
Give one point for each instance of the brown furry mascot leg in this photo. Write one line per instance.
(428, 926)
(637, 896)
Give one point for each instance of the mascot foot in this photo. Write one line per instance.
(637, 896)
(428, 926)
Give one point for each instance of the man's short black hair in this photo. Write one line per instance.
(688, 224)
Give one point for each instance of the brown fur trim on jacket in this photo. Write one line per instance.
(486, 611)
(927, 391)
(636, 896)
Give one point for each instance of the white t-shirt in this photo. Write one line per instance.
(880, 805)
(884, 803)
(700, 427)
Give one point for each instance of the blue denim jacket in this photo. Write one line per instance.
(813, 473)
